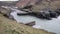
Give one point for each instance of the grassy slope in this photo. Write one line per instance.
(11, 27)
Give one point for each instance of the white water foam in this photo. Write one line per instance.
(49, 25)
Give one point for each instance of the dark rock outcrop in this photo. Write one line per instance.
(53, 14)
(44, 14)
(31, 23)
(57, 11)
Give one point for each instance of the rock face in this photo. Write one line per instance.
(46, 14)
(24, 3)
(39, 4)
(47, 5)
(50, 8)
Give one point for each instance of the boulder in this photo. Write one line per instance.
(30, 23)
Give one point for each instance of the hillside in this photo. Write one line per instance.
(8, 26)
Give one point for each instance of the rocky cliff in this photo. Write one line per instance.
(47, 5)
